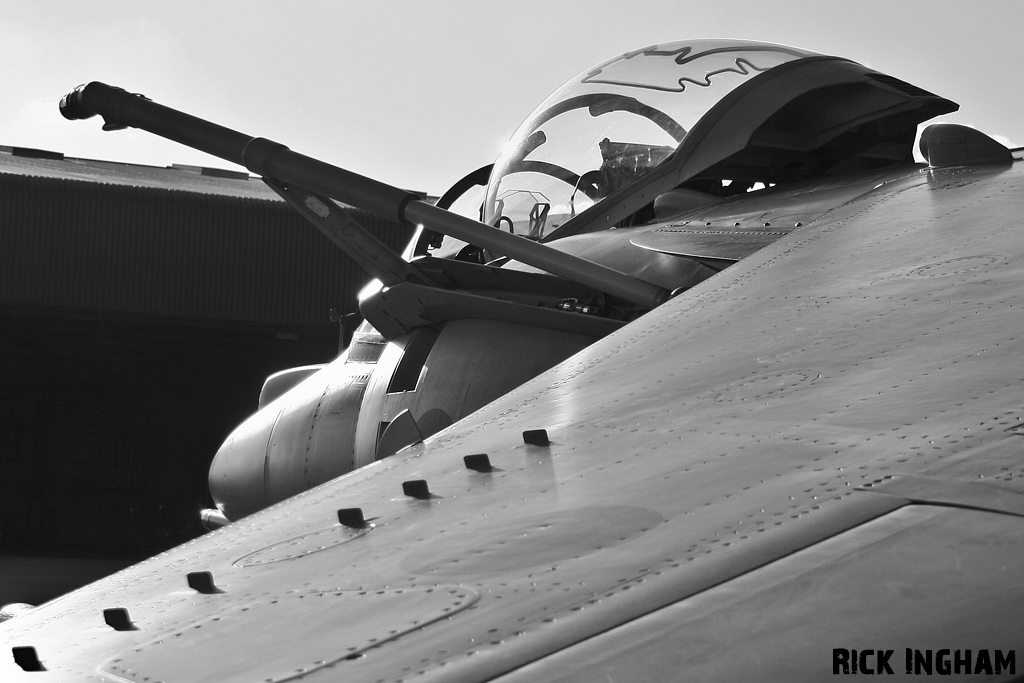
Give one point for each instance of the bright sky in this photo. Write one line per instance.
(417, 93)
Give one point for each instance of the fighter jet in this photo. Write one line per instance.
(791, 453)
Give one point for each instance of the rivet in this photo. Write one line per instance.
(478, 462)
(536, 437)
(27, 659)
(417, 488)
(352, 517)
(117, 618)
(202, 582)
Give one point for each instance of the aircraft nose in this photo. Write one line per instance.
(237, 476)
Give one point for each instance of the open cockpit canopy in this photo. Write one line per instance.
(718, 116)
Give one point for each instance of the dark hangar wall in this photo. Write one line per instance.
(140, 310)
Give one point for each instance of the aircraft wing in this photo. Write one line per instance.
(818, 448)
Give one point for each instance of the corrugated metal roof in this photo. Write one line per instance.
(40, 163)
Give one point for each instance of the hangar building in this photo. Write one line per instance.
(140, 310)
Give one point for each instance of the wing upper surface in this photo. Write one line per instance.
(726, 430)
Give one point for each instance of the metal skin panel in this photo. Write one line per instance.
(359, 621)
(929, 570)
(725, 430)
(475, 361)
(331, 444)
(285, 380)
(295, 426)
(372, 406)
(401, 431)
(615, 250)
(257, 464)
(736, 227)
(235, 468)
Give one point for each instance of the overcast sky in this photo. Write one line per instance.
(418, 93)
